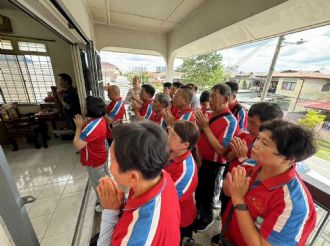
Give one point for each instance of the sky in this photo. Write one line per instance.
(312, 55)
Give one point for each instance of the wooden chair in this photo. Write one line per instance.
(17, 125)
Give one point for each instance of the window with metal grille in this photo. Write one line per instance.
(288, 86)
(5, 44)
(25, 78)
(326, 87)
(29, 46)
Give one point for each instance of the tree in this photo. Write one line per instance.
(204, 70)
(311, 119)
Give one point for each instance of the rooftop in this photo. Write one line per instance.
(297, 74)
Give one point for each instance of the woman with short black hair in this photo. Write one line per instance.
(270, 204)
(90, 140)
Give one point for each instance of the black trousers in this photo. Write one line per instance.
(223, 198)
(205, 190)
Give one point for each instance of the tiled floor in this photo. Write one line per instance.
(58, 181)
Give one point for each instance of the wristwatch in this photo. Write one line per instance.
(241, 207)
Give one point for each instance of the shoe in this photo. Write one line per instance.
(215, 239)
(98, 208)
(217, 204)
(202, 225)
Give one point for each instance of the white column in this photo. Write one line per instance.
(170, 68)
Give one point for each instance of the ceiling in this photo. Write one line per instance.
(148, 15)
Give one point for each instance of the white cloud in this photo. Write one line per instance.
(309, 56)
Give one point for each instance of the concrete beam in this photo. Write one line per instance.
(215, 15)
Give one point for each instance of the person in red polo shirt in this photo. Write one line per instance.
(115, 110)
(160, 104)
(182, 167)
(151, 214)
(204, 100)
(241, 146)
(182, 100)
(90, 140)
(235, 107)
(218, 129)
(174, 89)
(143, 108)
(270, 205)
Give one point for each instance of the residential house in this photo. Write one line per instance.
(296, 88)
(109, 72)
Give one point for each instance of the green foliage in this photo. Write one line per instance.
(312, 119)
(204, 70)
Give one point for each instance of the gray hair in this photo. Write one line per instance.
(163, 99)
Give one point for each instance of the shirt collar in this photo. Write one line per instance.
(139, 201)
(187, 110)
(278, 180)
(181, 158)
(233, 105)
(227, 110)
(148, 102)
(118, 99)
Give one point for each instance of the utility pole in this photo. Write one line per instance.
(271, 69)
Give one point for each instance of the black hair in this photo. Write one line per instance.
(141, 146)
(66, 77)
(167, 85)
(177, 84)
(149, 89)
(96, 107)
(205, 97)
(292, 140)
(193, 86)
(223, 89)
(233, 86)
(188, 91)
(266, 111)
(163, 99)
(188, 132)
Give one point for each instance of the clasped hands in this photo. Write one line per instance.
(111, 196)
(238, 184)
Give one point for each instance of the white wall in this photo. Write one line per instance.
(59, 50)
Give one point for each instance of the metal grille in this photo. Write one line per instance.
(29, 46)
(5, 44)
(25, 78)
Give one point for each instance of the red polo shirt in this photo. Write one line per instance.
(94, 154)
(152, 218)
(183, 171)
(188, 115)
(240, 114)
(146, 109)
(158, 120)
(223, 129)
(115, 111)
(244, 135)
(281, 208)
(174, 110)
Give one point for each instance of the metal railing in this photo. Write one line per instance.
(321, 197)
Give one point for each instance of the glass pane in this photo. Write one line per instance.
(5, 44)
(29, 46)
(5, 237)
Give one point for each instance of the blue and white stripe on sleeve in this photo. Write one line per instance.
(116, 109)
(229, 131)
(149, 112)
(183, 183)
(89, 128)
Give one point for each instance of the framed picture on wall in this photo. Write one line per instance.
(5, 25)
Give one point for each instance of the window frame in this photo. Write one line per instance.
(290, 84)
(15, 51)
(326, 87)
